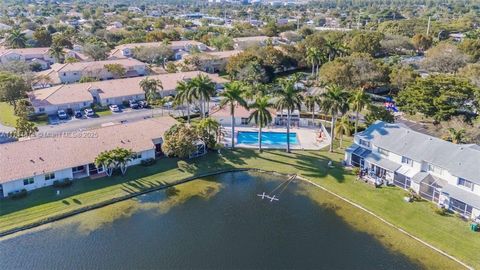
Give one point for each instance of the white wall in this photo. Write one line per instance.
(39, 182)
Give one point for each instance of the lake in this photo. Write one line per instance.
(217, 222)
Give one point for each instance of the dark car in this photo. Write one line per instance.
(78, 114)
(133, 104)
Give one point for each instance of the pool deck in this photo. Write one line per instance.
(306, 136)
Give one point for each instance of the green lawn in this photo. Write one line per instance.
(447, 233)
(104, 112)
(7, 117)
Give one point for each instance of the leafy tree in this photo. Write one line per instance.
(233, 97)
(261, 115)
(24, 109)
(85, 79)
(42, 37)
(153, 55)
(402, 76)
(288, 98)
(96, 51)
(209, 131)
(334, 101)
(117, 70)
(378, 113)
(358, 101)
(439, 96)
(12, 88)
(70, 60)
(222, 42)
(57, 53)
(180, 141)
(471, 47)
(115, 158)
(456, 136)
(24, 128)
(16, 39)
(444, 58)
(422, 42)
(368, 42)
(471, 72)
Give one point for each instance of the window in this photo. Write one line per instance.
(364, 143)
(49, 176)
(435, 169)
(407, 161)
(465, 183)
(28, 181)
(383, 152)
(41, 109)
(137, 156)
(460, 207)
(245, 121)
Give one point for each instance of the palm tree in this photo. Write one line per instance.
(261, 115)
(122, 157)
(151, 87)
(56, 51)
(334, 101)
(233, 96)
(358, 101)
(185, 95)
(16, 39)
(211, 126)
(105, 160)
(312, 58)
(342, 127)
(203, 88)
(311, 102)
(332, 49)
(456, 136)
(289, 98)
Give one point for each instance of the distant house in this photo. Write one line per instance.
(243, 43)
(73, 72)
(80, 95)
(179, 48)
(211, 62)
(439, 171)
(39, 55)
(39, 162)
(224, 117)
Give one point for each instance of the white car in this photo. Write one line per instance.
(62, 114)
(89, 113)
(114, 108)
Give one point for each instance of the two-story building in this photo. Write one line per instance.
(73, 72)
(39, 162)
(179, 48)
(29, 55)
(440, 171)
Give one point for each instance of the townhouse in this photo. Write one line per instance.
(73, 72)
(179, 48)
(80, 95)
(243, 43)
(211, 62)
(440, 171)
(35, 163)
(29, 55)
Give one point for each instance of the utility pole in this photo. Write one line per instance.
(428, 26)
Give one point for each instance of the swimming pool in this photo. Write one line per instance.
(268, 138)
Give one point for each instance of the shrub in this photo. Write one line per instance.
(148, 162)
(18, 194)
(414, 196)
(62, 183)
(442, 211)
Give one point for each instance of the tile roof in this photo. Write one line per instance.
(42, 155)
(117, 51)
(460, 160)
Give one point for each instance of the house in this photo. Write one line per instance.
(73, 72)
(179, 48)
(211, 62)
(38, 162)
(243, 43)
(39, 55)
(224, 117)
(439, 171)
(80, 95)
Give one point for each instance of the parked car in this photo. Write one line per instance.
(62, 114)
(78, 114)
(143, 104)
(133, 104)
(114, 108)
(89, 113)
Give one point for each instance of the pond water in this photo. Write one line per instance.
(213, 223)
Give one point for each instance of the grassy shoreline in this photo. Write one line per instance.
(447, 233)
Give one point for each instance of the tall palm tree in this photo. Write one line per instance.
(332, 49)
(233, 96)
(311, 102)
(151, 87)
(185, 95)
(16, 39)
(342, 127)
(358, 101)
(261, 115)
(203, 88)
(289, 98)
(334, 101)
(312, 58)
(56, 51)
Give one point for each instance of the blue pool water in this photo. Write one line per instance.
(268, 138)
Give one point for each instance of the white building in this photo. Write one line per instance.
(38, 162)
(39, 55)
(179, 48)
(440, 171)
